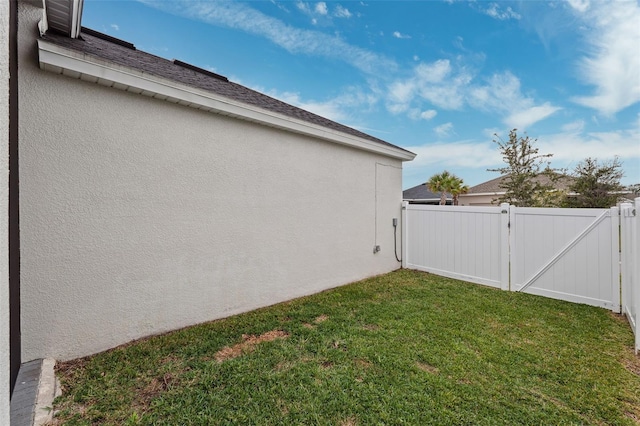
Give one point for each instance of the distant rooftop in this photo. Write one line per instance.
(421, 192)
(493, 186)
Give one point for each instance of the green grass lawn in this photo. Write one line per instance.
(401, 348)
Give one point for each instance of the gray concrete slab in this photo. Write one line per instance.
(23, 399)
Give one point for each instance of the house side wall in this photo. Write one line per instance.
(140, 216)
(478, 200)
(4, 213)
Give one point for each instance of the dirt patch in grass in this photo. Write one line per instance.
(371, 327)
(428, 368)
(321, 318)
(362, 363)
(248, 344)
(155, 387)
(326, 364)
(349, 422)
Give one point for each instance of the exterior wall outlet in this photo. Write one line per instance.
(376, 249)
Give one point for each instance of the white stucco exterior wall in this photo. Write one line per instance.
(140, 216)
(4, 213)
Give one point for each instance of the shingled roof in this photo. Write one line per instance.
(421, 192)
(124, 54)
(493, 186)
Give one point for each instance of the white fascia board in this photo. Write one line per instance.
(70, 62)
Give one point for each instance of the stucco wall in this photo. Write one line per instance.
(140, 216)
(478, 200)
(4, 213)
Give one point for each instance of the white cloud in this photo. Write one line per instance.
(336, 109)
(444, 130)
(613, 64)
(243, 17)
(462, 154)
(527, 117)
(502, 93)
(445, 86)
(398, 34)
(341, 12)
(416, 58)
(304, 7)
(574, 126)
(569, 148)
(115, 27)
(428, 114)
(321, 8)
(417, 114)
(579, 5)
(493, 10)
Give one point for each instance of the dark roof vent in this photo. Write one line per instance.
(200, 70)
(108, 38)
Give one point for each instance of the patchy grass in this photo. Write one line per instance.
(401, 348)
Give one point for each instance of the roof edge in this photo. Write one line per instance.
(69, 62)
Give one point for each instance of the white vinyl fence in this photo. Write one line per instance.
(578, 255)
(468, 243)
(630, 264)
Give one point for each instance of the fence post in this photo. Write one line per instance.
(635, 252)
(405, 234)
(615, 260)
(505, 253)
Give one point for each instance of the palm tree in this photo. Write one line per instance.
(444, 183)
(440, 183)
(456, 188)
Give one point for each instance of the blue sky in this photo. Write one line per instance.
(439, 78)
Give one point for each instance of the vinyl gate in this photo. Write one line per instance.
(567, 254)
(589, 256)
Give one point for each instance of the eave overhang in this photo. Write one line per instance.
(79, 65)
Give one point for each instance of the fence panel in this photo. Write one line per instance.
(567, 254)
(630, 263)
(459, 242)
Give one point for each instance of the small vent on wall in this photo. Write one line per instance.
(107, 38)
(200, 70)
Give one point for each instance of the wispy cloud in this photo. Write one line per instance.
(451, 87)
(568, 148)
(339, 108)
(424, 115)
(398, 34)
(295, 40)
(461, 154)
(579, 5)
(495, 11)
(115, 27)
(612, 65)
(444, 130)
(525, 118)
(574, 126)
(341, 12)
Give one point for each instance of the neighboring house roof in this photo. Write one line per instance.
(493, 186)
(112, 62)
(421, 193)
